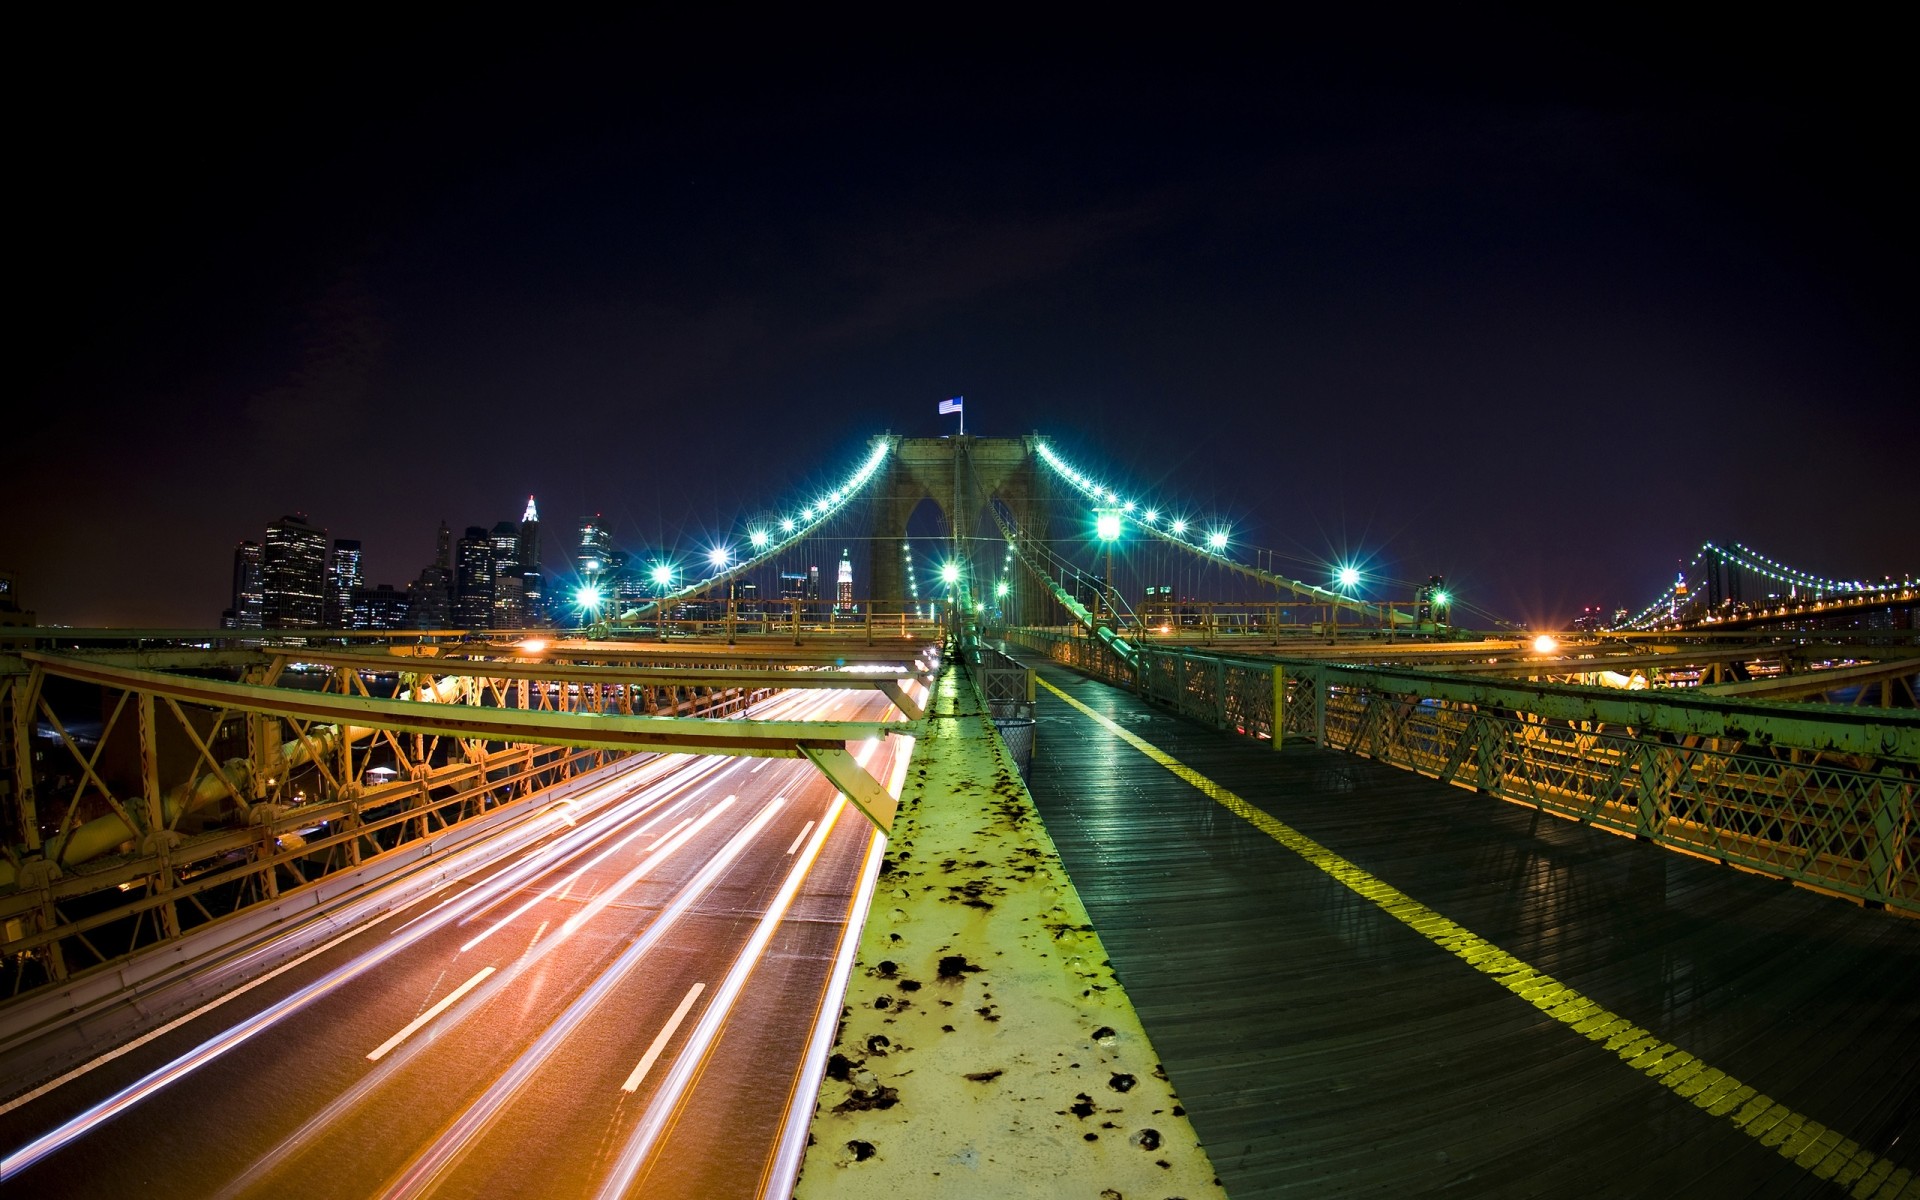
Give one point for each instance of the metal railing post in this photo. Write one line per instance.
(1278, 716)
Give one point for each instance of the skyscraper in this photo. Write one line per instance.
(533, 583)
(430, 604)
(843, 593)
(293, 569)
(381, 607)
(249, 594)
(473, 580)
(343, 575)
(509, 585)
(592, 557)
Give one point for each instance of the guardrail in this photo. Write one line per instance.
(1822, 795)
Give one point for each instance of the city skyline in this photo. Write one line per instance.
(1539, 313)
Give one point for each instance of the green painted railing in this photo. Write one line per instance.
(1823, 795)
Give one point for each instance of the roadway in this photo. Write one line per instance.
(634, 1003)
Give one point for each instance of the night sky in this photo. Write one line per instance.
(1540, 307)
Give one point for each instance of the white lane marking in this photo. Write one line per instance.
(177, 1022)
(660, 1041)
(536, 938)
(803, 837)
(412, 1027)
(692, 1057)
(756, 770)
(419, 1175)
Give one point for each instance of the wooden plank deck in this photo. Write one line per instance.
(1322, 1047)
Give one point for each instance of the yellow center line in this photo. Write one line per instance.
(1806, 1142)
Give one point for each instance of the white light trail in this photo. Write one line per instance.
(419, 1176)
(322, 1123)
(238, 1034)
(793, 1139)
(693, 1055)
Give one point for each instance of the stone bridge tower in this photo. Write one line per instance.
(958, 474)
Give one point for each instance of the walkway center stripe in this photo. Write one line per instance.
(1806, 1142)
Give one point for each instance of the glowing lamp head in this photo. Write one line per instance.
(806, 514)
(759, 539)
(786, 525)
(1179, 527)
(1544, 644)
(1441, 599)
(950, 573)
(1349, 577)
(1153, 515)
(719, 556)
(1001, 588)
(1127, 507)
(587, 596)
(662, 575)
(1217, 540)
(1108, 526)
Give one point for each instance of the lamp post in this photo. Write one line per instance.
(588, 598)
(662, 575)
(1106, 527)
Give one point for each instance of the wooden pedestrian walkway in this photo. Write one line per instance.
(1365, 982)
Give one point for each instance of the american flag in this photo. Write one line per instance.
(951, 406)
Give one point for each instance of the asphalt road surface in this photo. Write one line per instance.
(634, 1004)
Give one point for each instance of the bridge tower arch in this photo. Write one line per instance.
(958, 474)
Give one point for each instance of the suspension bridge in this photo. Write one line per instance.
(1309, 884)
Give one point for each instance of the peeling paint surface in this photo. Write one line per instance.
(985, 1047)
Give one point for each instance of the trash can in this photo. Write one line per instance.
(1017, 733)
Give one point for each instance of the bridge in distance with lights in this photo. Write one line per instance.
(1084, 850)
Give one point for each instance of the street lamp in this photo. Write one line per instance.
(1106, 527)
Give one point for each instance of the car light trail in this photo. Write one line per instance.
(419, 1175)
(663, 1037)
(567, 883)
(686, 1065)
(654, 858)
(784, 1171)
(571, 842)
(411, 1027)
(792, 1148)
(317, 1126)
(238, 1034)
